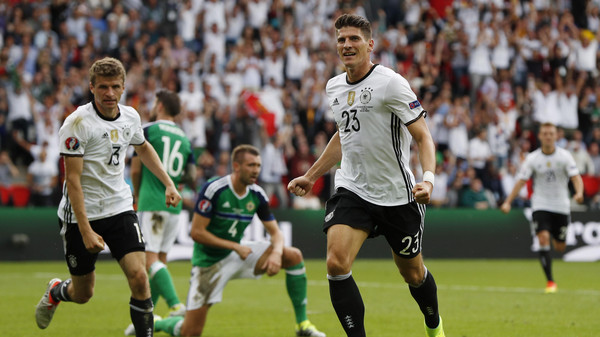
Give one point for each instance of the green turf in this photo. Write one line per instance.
(478, 298)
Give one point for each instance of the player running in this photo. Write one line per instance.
(377, 116)
(97, 206)
(551, 168)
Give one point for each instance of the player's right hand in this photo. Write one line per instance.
(505, 207)
(300, 186)
(93, 242)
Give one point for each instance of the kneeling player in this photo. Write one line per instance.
(224, 208)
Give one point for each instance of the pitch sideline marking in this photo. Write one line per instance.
(468, 288)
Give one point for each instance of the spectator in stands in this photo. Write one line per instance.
(458, 123)
(42, 179)
(480, 66)
(8, 171)
(594, 152)
(474, 196)
(297, 61)
(545, 104)
(439, 195)
(273, 169)
(299, 163)
(480, 152)
(20, 118)
(582, 158)
(568, 103)
(188, 18)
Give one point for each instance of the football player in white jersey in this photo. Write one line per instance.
(377, 116)
(551, 168)
(97, 204)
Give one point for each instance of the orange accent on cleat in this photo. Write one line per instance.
(551, 287)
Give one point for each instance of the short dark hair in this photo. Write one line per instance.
(107, 67)
(170, 102)
(352, 20)
(239, 151)
(548, 124)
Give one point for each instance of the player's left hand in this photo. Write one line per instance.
(172, 196)
(579, 198)
(422, 192)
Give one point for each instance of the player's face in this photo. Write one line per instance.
(249, 169)
(352, 47)
(547, 136)
(107, 93)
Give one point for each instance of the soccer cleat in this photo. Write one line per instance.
(551, 287)
(306, 328)
(130, 329)
(437, 332)
(45, 308)
(177, 310)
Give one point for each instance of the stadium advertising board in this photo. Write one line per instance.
(32, 234)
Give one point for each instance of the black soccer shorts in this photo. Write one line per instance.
(120, 232)
(555, 223)
(402, 226)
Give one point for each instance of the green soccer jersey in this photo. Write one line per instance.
(229, 215)
(175, 152)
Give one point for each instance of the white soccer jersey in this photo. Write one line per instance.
(551, 174)
(103, 145)
(371, 116)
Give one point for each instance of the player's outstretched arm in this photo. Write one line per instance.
(331, 156)
(420, 133)
(505, 207)
(93, 242)
(150, 159)
(578, 186)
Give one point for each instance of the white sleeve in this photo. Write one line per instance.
(401, 100)
(526, 170)
(73, 136)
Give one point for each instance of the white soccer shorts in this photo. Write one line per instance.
(207, 283)
(159, 230)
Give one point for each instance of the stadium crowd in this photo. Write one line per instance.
(254, 71)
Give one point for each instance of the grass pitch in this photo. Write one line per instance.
(487, 298)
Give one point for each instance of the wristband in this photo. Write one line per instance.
(428, 176)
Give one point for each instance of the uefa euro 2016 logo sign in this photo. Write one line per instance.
(72, 143)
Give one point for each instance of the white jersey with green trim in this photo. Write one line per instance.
(551, 174)
(103, 145)
(372, 115)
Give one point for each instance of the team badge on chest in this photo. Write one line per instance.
(114, 135)
(351, 96)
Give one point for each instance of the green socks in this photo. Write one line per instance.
(170, 325)
(161, 284)
(296, 283)
(154, 292)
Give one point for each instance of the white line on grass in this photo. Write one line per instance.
(466, 288)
